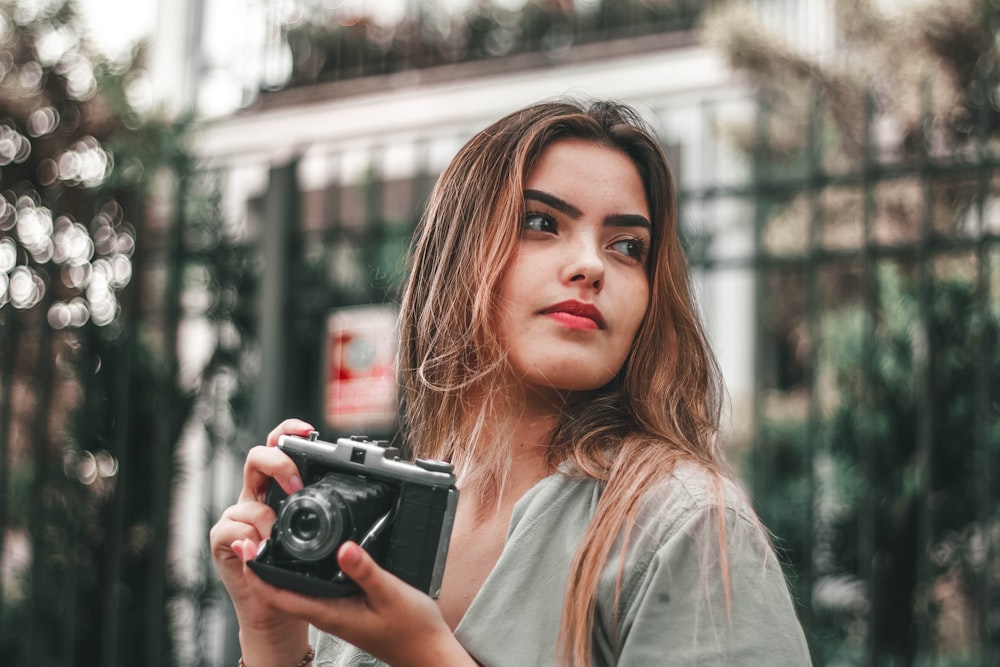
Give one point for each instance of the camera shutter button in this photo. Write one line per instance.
(433, 465)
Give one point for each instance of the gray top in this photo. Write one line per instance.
(671, 609)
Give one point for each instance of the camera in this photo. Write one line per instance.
(401, 512)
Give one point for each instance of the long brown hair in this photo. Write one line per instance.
(662, 406)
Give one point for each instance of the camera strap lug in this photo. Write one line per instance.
(370, 537)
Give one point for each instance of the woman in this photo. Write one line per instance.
(550, 349)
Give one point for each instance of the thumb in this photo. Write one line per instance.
(363, 570)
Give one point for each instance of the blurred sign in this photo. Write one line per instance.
(360, 390)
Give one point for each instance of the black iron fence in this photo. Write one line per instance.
(876, 419)
(92, 409)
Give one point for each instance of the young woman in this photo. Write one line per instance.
(550, 349)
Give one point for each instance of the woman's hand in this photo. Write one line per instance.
(389, 618)
(266, 634)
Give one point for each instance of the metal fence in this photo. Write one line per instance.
(875, 411)
(85, 448)
(91, 413)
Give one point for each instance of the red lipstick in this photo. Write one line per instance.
(576, 314)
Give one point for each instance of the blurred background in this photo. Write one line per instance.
(204, 215)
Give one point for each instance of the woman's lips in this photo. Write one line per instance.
(576, 314)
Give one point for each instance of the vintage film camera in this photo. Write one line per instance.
(357, 489)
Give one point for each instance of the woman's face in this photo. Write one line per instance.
(577, 288)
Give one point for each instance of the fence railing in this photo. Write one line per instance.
(875, 414)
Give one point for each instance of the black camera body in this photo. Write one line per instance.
(357, 489)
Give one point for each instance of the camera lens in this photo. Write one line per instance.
(305, 525)
(313, 522)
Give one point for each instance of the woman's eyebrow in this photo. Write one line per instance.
(555, 202)
(563, 206)
(627, 220)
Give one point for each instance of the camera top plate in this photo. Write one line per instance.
(368, 457)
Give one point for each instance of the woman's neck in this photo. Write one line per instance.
(530, 447)
(524, 439)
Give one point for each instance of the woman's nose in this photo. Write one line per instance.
(584, 264)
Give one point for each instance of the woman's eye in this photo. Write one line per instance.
(633, 248)
(539, 222)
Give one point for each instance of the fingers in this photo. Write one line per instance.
(379, 589)
(287, 601)
(264, 464)
(378, 586)
(389, 619)
(236, 536)
(288, 427)
(358, 564)
(243, 521)
(245, 549)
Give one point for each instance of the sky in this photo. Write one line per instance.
(116, 25)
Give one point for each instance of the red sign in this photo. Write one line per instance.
(360, 388)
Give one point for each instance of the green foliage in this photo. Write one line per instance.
(899, 464)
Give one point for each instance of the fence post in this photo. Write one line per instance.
(9, 327)
(869, 286)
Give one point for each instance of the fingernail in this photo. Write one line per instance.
(350, 554)
(295, 484)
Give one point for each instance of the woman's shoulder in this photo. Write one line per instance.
(691, 489)
(699, 575)
(684, 491)
(692, 515)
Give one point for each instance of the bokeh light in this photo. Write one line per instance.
(89, 467)
(43, 121)
(29, 77)
(14, 146)
(79, 73)
(53, 44)
(85, 163)
(34, 229)
(73, 244)
(8, 215)
(26, 288)
(90, 265)
(75, 314)
(8, 255)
